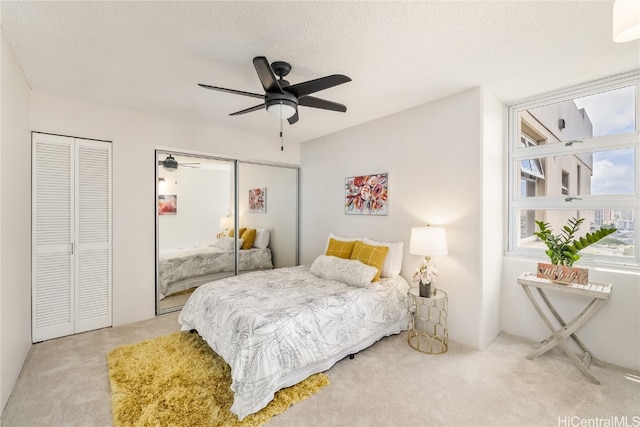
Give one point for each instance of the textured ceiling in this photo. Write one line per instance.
(149, 56)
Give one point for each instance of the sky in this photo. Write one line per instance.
(611, 113)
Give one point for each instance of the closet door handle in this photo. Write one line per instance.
(71, 248)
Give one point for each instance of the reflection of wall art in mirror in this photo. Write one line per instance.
(258, 200)
(366, 195)
(167, 204)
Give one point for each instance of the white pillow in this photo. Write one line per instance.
(262, 238)
(342, 239)
(226, 243)
(393, 261)
(349, 271)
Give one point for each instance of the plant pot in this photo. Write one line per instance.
(562, 274)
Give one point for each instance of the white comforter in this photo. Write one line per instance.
(266, 324)
(185, 263)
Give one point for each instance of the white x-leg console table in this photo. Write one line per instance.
(597, 291)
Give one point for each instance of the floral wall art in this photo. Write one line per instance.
(167, 204)
(367, 195)
(258, 200)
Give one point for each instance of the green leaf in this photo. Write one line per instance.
(563, 248)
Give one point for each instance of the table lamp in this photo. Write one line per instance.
(226, 223)
(427, 241)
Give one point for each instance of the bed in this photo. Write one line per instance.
(275, 328)
(186, 268)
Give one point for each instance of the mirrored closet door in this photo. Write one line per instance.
(216, 218)
(268, 200)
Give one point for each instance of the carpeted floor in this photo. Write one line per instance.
(177, 379)
(65, 382)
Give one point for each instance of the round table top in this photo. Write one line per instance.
(438, 294)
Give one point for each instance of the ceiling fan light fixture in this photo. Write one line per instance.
(282, 109)
(626, 20)
(170, 164)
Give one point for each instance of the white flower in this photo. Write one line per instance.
(426, 273)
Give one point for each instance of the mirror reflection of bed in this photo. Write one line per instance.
(197, 242)
(183, 269)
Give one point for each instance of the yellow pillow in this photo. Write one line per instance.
(232, 232)
(339, 248)
(248, 237)
(370, 255)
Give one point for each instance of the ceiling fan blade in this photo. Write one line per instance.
(312, 101)
(237, 92)
(316, 85)
(248, 110)
(265, 74)
(293, 118)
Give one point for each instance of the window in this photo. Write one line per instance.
(565, 182)
(575, 153)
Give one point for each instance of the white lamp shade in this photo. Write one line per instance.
(626, 20)
(226, 222)
(428, 241)
(282, 111)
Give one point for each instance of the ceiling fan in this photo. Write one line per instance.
(282, 98)
(171, 164)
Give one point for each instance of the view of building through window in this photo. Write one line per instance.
(567, 153)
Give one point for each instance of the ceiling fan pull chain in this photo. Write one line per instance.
(281, 138)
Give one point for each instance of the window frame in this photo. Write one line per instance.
(565, 182)
(517, 154)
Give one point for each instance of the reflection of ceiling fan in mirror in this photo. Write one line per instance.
(171, 164)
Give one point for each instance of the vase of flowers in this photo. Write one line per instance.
(426, 276)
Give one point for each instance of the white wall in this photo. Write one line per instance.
(493, 218)
(434, 157)
(203, 198)
(15, 221)
(135, 137)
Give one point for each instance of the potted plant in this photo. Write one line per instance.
(563, 248)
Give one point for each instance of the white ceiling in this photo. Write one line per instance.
(149, 56)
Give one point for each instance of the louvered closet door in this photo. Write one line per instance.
(52, 237)
(93, 235)
(71, 233)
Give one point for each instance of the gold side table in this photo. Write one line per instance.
(428, 322)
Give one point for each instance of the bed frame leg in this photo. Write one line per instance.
(351, 356)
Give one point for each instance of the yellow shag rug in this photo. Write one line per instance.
(178, 380)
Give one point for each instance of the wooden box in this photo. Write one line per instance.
(563, 274)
